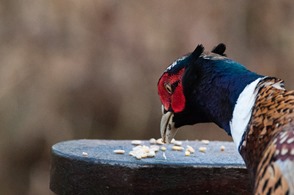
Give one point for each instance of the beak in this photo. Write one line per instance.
(167, 127)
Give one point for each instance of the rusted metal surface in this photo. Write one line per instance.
(103, 172)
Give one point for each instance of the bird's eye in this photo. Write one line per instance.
(168, 88)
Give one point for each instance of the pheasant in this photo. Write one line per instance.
(256, 110)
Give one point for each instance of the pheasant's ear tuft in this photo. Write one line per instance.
(197, 52)
(220, 49)
(191, 74)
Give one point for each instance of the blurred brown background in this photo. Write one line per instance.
(77, 69)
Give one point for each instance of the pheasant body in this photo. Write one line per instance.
(257, 111)
(268, 143)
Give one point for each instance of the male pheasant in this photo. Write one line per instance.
(257, 111)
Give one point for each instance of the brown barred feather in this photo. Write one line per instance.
(268, 144)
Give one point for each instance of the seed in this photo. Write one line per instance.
(119, 151)
(142, 151)
(187, 153)
(137, 148)
(136, 142)
(136, 152)
(202, 149)
(172, 141)
(177, 143)
(144, 155)
(151, 154)
(163, 148)
(159, 141)
(177, 148)
(222, 148)
(152, 141)
(190, 149)
(154, 148)
(85, 154)
(145, 149)
(205, 141)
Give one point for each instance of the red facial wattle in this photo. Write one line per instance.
(172, 100)
(178, 99)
